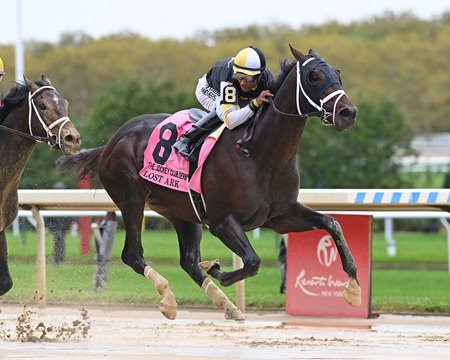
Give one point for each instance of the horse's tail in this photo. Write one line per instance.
(83, 164)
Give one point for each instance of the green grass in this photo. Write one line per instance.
(412, 248)
(411, 290)
(408, 289)
(73, 283)
(159, 246)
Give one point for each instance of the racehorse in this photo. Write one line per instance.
(250, 180)
(31, 112)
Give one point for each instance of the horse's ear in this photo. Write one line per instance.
(313, 53)
(297, 54)
(32, 87)
(46, 80)
(66, 105)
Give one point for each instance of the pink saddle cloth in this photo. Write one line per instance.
(164, 166)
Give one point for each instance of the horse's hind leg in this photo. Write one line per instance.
(168, 305)
(133, 255)
(302, 218)
(5, 278)
(129, 197)
(189, 236)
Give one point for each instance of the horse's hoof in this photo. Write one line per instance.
(234, 314)
(6, 285)
(169, 311)
(352, 293)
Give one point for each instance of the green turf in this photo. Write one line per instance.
(410, 289)
(412, 248)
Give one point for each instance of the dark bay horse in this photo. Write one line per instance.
(31, 112)
(243, 190)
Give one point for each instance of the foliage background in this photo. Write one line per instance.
(394, 67)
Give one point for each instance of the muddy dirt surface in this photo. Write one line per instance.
(134, 333)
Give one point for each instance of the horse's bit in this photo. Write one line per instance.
(52, 139)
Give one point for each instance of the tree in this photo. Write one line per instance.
(126, 99)
(399, 56)
(362, 157)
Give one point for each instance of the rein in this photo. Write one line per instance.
(278, 111)
(321, 112)
(250, 129)
(28, 136)
(51, 138)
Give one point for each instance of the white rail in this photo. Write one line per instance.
(319, 199)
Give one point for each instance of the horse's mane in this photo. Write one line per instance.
(285, 67)
(18, 92)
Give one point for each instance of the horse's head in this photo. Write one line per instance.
(48, 116)
(321, 90)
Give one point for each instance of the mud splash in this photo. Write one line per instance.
(30, 329)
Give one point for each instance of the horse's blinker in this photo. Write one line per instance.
(312, 93)
(315, 92)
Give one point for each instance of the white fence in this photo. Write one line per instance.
(320, 199)
(376, 201)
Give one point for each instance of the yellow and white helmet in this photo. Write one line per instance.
(250, 61)
(2, 70)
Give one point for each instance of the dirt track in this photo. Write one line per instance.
(138, 333)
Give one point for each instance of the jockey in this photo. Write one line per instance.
(235, 88)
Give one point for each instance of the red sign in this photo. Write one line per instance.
(85, 223)
(315, 279)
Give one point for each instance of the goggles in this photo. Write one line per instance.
(244, 77)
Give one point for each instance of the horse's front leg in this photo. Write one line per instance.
(189, 237)
(302, 218)
(5, 278)
(230, 232)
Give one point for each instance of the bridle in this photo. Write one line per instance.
(321, 111)
(48, 129)
(52, 139)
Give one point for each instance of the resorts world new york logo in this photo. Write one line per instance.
(326, 251)
(322, 282)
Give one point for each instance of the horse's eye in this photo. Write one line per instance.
(313, 78)
(42, 106)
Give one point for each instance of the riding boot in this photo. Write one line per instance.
(184, 143)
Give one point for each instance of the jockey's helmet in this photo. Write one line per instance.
(2, 70)
(250, 61)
